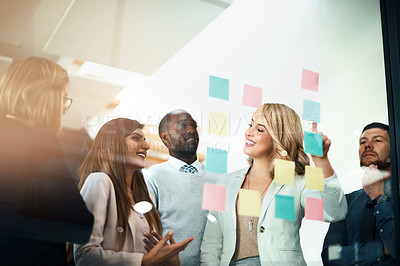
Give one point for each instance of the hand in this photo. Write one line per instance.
(372, 182)
(386, 251)
(323, 161)
(151, 240)
(162, 251)
(326, 143)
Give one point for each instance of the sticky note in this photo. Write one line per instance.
(216, 160)
(249, 202)
(309, 80)
(219, 88)
(252, 96)
(311, 111)
(334, 252)
(314, 209)
(217, 124)
(313, 143)
(284, 207)
(213, 197)
(284, 172)
(314, 178)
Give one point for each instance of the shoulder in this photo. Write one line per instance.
(354, 195)
(97, 181)
(224, 179)
(155, 171)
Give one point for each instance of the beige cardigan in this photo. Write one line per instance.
(99, 195)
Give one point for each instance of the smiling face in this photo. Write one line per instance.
(375, 148)
(258, 142)
(181, 136)
(136, 149)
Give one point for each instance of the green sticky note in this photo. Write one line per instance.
(313, 143)
(314, 178)
(216, 161)
(311, 111)
(249, 202)
(219, 88)
(284, 172)
(284, 207)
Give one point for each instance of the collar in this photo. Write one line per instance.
(177, 164)
(387, 188)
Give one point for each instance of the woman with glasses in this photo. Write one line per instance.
(112, 184)
(40, 206)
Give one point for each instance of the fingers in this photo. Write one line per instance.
(172, 240)
(164, 240)
(178, 247)
(186, 242)
(373, 166)
(156, 235)
(314, 127)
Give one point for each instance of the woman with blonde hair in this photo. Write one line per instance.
(111, 183)
(40, 206)
(275, 132)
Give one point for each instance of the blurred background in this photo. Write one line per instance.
(143, 58)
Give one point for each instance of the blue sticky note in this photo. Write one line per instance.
(311, 111)
(216, 161)
(313, 143)
(284, 207)
(219, 88)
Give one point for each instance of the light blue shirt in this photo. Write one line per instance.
(178, 198)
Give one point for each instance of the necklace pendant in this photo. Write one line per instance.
(250, 225)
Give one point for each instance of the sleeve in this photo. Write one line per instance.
(151, 185)
(211, 245)
(57, 210)
(385, 225)
(335, 204)
(336, 250)
(96, 192)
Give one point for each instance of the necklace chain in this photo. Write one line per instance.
(248, 187)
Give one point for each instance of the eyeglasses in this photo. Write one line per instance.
(67, 103)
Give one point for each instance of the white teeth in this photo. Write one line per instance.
(250, 142)
(141, 154)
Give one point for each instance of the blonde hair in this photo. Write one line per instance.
(284, 126)
(32, 90)
(107, 155)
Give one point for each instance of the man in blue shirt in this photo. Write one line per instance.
(366, 236)
(177, 184)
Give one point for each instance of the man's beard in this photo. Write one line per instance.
(381, 164)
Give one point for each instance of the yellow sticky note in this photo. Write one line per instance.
(217, 123)
(314, 178)
(249, 203)
(284, 172)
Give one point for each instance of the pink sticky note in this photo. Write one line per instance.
(252, 96)
(309, 80)
(314, 209)
(213, 197)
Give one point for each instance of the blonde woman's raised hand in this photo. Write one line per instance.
(323, 161)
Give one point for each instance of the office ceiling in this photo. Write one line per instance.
(134, 35)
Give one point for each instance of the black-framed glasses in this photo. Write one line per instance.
(67, 103)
